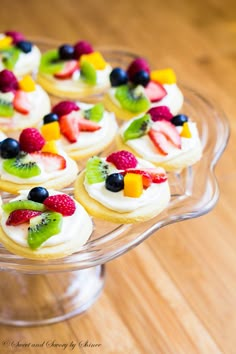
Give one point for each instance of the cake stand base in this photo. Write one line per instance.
(40, 299)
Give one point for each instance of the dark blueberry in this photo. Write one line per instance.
(66, 51)
(141, 78)
(180, 119)
(118, 77)
(50, 117)
(115, 182)
(25, 46)
(38, 194)
(9, 148)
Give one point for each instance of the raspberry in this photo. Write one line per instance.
(160, 113)
(82, 47)
(64, 107)
(123, 159)
(136, 66)
(21, 216)
(16, 36)
(8, 81)
(31, 140)
(61, 203)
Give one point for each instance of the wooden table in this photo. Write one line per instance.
(175, 293)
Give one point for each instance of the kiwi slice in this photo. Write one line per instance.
(43, 227)
(10, 56)
(88, 73)
(50, 62)
(132, 99)
(96, 170)
(6, 108)
(137, 128)
(21, 166)
(23, 204)
(95, 113)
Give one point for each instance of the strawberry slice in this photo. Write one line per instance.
(69, 127)
(68, 69)
(21, 102)
(150, 175)
(160, 141)
(21, 216)
(155, 92)
(146, 177)
(86, 125)
(51, 162)
(169, 130)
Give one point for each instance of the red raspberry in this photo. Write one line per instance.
(8, 81)
(16, 36)
(64, 107)
(160, 113)
(31, 140)
(21, 216)
(137, 65)
(61, 203)
(82, 47)
(123, 159)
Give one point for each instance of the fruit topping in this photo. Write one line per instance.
(50, 117)
(42, 227)
(186, 132)
(64, 107)
(21, 102)
(137, 128)
(67, 70)
(141, 78)
(25, 46)
(82, 47)
(180, 119)
(155, 92)
(118, 77)
(88, 73)
(160, 141)
(160, 113)
(31, 140)
(50, 62)
(86, 125)
(122, 159)
(38, 194)
(132, 99)
(51, 131)
(21, 166)
(95, 113)
(50, 146)
(66, 52)
(137, 65)
(20, 216)
(146, 177)
(27, 84)
(69, 127)
(133, 185)
(8, 81)
(97, 170)
(10, 57)
(115, 182)
(9, 148)
(170, 132)
(50, 162)
(5, 42)
(6, 107)
(61, 203)
(95, 58)
(164, 76)
(151, 175)
(16, 36)
(23, 204)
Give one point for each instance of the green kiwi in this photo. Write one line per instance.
(137, 128)
(6, 108)
(88, 73)
(43, 227)
(21, 166)
(132, 99)
(96, 170)
(95, 113)
(50, 62)
(23, 204)
(10, 56)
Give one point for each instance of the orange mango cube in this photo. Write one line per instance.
(51, 131)
(5, 42)
(50, 146)
(96, 59)
(27, 84)
(133, 185)
(164, 76)
(185, 132)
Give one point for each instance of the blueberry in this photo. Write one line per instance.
(118, 77)
(141, 78)
(9, 148)
(66, 51)
(115, 182)
(180, 119)
(25, 46)
(38, 194)
(50, 117)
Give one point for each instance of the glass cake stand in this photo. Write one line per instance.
(43, 292)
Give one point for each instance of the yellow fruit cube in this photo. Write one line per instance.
(27, 84)
(51, 131)
(133, 185)
(164, 76)
(185, 132)
(50, 146)
(5, 42)
(94, 58)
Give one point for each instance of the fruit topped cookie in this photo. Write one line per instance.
(35, 224)
(74, 71)
(169, 141)
(137, 89)
(18, 54)
(122, 188)
(23, 103)
(25, 164)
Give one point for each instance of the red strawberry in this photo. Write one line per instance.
(160, 113)
(151, 175)
(31, 140)
(136, 66)
(69, 127)
(61, 203)
(16, 36)
(82, 47)
(160, 141)
(68, 69)
(155, 92)
(21, 102)
(65, 107)
(86, 125)
(8, 81)
(21, 216)
(51, 162)
(170, 132)
(146, 177)
(122, 159)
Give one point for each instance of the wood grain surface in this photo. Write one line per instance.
(175, 293)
